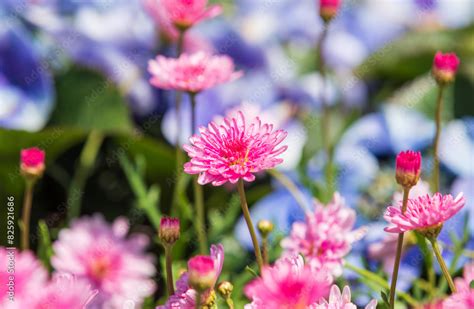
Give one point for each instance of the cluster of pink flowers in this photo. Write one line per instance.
(102, 256)
(326, 236)
(63, 291)
(233, 150)
(185, 296)
(288, 284)
(192, 72)
(423, 213)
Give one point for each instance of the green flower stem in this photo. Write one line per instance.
(25, 220)
(398, 256)
(439, 108)
(198, 192)
(229, 302)
(86, 163)
(198, 300)
(380, 281)
(248, 220)
(291, 187)
(442, 264)
(169, 269)
(265, 250)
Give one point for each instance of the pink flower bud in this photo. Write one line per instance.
(408, 168)
(445, 67)
(201, 273)
(32, 162)
(328, 9)
(169, 230)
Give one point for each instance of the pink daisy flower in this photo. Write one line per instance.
(326, 236)
(102, 256)
(192, 72)
(233, 150)
(29, 275)
(181, 13)
(63, 292)
(288, 284)
(464, 297)
(342, 301)
(184, 296)
(423, 213)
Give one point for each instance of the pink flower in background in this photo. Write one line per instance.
(32, 161)
(192, 72)
(182, 13)
(328, 9)
(63, 292)
(233, 150)
(423, 213)
(185, 296)
(169, 230)
(288, 284)
(326, 236)
(408, 168)
(445, 67)
(30, 275)
(464, 297)
(342, 301)
(102, 256)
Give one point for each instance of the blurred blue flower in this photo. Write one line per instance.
(26, 87)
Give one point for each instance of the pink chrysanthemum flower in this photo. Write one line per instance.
(233, 150)
(424, 214)
(445, 67)
(102, 256)
(182, 13)
(288, 284)
(185, 296)
(464, 297)
(342, 301)
(192, 72)
(63, 292)
(30, 275)
(326, 236)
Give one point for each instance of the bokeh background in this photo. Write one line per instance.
(74, 81)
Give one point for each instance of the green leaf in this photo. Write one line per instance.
(88, 101)
(45, 250)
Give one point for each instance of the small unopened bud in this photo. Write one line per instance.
(201, 273)
(225, 289)
(264, 227)
(408, 168)
(445, 67)
(328, 9)
(169, 230)
(32, 163)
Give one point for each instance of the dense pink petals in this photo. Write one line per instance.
(102, 256)
(32, 157)
(192, 72)
(338, 300)
(233, 150)
(464, 297)
(423, 212)
(326, 236)
(186, 13)
(447, 61)
(288, 284)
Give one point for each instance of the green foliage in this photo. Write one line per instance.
(45, 250)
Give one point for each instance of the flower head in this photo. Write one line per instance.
(186, 13)
(328, 9)
(326, 236)
(424, 214)
(185, 296)
(342, 301)
(408, 168)
(201, 272)
(102, 256)
(192, 72)
(32, 162)
(464, 297)
(288, 284)
(233, 150)
(445, 67)
(30, 275)
(169, 230)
